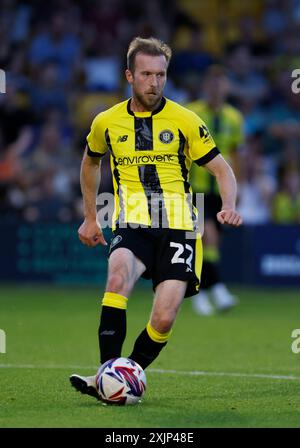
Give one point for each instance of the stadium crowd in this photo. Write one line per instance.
(64, 62)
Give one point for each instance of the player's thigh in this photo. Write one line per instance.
(124, 268)
(168, 297)
(179, 257)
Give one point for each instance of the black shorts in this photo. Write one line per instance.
(166, 253)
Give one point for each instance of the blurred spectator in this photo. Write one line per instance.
(246, 81)
(105, 18)
(102, 66)
(227, 127)
(275, 18)
(17, 70)
(257, 185)
(283, 118)
(16, 116)
(56, 44)
(254, 116)
(50, 172)
(191, 60)
(47, 92)
(286, 201)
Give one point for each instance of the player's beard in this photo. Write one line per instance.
(149, 102)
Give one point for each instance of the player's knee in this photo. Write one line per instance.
(117, 282)
(164, 323)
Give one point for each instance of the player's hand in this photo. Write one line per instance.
(90, 233)
(230, 217)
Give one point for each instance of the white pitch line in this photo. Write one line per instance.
(236, 374)
(46, 366)
(171, 372)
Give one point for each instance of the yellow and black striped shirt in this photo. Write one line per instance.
(151, 154)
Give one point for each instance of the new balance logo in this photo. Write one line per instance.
(122, 138)
(107, 333)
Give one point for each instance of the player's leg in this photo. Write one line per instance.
(210, 278)
(176, 274)
(210, 269)
(209, 275)
(167, 300)
(222, 298)
(124, 269)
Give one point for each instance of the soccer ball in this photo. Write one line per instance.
(121, 381)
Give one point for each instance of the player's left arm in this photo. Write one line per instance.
(228, 190)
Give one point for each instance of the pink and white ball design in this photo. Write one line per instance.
(121, 381)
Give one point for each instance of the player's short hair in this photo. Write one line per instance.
(150, 46)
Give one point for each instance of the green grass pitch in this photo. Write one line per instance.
(240, 369)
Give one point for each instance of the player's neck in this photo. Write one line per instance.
(137, 106)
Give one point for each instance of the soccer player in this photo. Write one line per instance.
(226, 124)
(152, 143)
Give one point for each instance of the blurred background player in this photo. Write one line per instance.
(226, 125)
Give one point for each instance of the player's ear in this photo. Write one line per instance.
(129, 76)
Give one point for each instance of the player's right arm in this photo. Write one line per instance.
(90, 232)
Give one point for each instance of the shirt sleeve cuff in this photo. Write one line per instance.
(93, 153)
(208, 157)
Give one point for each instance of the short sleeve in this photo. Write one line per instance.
(96, 142)
(202, 148)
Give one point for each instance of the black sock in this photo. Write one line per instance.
(145, 350)
(111, 333)
(209, 275)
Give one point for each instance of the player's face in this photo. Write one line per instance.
(148, 80)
